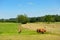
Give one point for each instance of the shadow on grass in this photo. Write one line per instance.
(1, 32)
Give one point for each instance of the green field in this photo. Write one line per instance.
(12, 29)
(9, 31)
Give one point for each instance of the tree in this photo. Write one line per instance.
(33, 19)
(22, 19)
(57, 18)
(49, 18)
(2, 20)
(12, 20)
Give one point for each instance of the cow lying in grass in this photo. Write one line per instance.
(41, 30)
(19, 31)
(19, 28)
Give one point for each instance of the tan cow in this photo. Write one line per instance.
(41, 30)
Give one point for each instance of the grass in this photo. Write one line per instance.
(8, 28)
(12, 28)
(9, 31)
(52, 28)
(30, 37)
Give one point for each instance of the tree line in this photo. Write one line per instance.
(25, 19)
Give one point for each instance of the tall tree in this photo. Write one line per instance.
(22, 19)
(49, 18)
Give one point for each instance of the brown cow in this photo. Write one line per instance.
(41, 30)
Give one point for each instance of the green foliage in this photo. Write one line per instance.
(33, 19)
(49, 18)
(57, 18)
(1, 20)
(22, 19)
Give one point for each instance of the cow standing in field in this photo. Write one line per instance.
(41, 30)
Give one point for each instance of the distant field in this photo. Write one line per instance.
(9, 31)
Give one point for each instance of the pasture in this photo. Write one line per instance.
(9, 31)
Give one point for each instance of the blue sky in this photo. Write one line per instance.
(11, 8)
